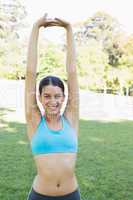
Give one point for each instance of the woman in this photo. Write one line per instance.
(53, 136)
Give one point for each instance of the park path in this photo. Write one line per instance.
(93, 106)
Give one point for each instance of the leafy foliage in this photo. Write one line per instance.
(11, 54)
(51, 61)
(108, 65)
(104, 51)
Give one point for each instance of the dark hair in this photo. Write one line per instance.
(51, 80)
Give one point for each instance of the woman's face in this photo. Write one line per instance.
(51, 99)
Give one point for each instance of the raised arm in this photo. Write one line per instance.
(72, 107)
(32, 111)
(30, 82)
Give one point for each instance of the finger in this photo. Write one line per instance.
(57, 19)
(61, 20)
(53, 24)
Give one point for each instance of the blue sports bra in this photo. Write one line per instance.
(46, 141)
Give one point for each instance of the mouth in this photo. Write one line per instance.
(53, 107)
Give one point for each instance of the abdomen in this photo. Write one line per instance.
(55, 173)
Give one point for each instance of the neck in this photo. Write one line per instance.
(52, 118)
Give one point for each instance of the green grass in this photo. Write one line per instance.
(104, 166)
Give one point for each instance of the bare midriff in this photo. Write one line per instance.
(55, 174)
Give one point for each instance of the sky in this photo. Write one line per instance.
(78, 10)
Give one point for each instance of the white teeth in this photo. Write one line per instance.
(52, 106)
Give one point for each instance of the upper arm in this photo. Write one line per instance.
(31, 107)
(32, 112)
(72, 107)
(30, 82)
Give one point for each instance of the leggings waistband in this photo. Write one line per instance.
(37, 196)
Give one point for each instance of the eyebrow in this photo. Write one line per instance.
(50, 94)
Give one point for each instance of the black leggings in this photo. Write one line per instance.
(33, 195)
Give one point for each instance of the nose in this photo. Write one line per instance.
(53, 100)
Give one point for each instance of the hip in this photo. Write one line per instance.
(55, 186)
(75, 195)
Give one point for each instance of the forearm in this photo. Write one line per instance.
(72, 79)
(72, 107)
(30, 83)
(71, 54)
(32, 50)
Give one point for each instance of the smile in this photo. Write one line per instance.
(52, 107)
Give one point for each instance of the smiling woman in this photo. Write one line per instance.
(53, 136)
(52, 95)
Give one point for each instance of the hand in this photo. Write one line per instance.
(46, 22)
(62, 23)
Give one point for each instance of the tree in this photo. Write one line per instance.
(111, 46)
(127, 57)
(91, 65)
(106, 30)
(12, 18)
(52, 61)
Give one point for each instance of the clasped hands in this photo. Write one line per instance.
(48, 22)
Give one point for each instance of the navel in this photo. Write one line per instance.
(58, 185)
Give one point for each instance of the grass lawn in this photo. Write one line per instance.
(104, 167)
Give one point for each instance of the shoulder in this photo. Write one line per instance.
(71, 122)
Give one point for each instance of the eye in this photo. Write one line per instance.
(47, 96)
(58, 96)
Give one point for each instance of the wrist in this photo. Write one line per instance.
(68, 27)
(36, 25)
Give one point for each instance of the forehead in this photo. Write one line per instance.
(50, 89)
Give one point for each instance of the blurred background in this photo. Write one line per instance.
(104, 44)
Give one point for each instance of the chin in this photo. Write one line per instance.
(53, 113)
